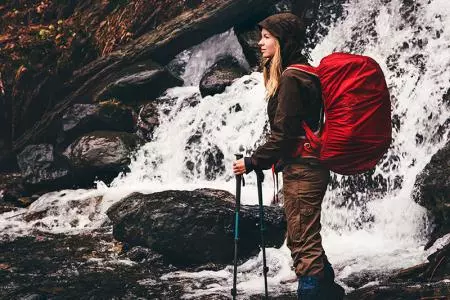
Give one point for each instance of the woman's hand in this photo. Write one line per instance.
(239, 167)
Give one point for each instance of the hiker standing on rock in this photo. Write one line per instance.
(294, 96)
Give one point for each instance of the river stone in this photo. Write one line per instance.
(214, 164)
(83, 118)
(221, 75)
(101, 155)
(191, 228)
(432, 190)
(42, 168)
(148, 120)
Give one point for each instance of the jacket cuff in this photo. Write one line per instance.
(248, 165)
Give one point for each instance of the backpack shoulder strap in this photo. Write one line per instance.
(311, 71)
(304, 68)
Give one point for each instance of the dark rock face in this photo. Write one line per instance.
(248, 38)
(83, 118)
(8, 160)
(193, 227)
(220, 75)
(432, 190)
(148, 120)
(139, 82)
(100, 77)
(101, 154)
(42, 168)
(11, 191)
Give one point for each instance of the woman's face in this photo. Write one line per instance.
(267, 44)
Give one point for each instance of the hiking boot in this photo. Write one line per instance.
(331, 291)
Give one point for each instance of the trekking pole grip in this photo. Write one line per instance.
(238, 157)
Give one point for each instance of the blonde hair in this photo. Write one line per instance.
(272, 69)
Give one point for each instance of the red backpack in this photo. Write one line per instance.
(357, 130)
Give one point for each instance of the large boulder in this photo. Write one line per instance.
(83, 118)
(43, 169)
(100, 155)
(432, 190)
(221, 75)
(193, 227)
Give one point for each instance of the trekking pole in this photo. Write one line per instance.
(236, 227)
(260, 179)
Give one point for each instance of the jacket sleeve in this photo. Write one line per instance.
(287, 129)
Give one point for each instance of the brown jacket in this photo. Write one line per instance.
(298, 97)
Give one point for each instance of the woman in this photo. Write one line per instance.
(294, 96)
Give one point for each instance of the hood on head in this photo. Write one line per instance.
(290, 32)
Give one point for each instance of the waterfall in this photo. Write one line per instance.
(375, 227)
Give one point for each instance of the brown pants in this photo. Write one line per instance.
(304, 186)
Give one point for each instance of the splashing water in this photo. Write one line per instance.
(197, 138)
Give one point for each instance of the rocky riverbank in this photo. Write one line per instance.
(82, 84)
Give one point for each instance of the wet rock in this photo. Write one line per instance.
(207, 160)
(105, 75)
(359, 279)
(139, 82)
(418, 282)
(248, 38)
(83, 118)
(140, 254)
(193, 227)
(34, 297)
(192, 3)
(100, 154)
(432, 190)
(394, 291)
(220, 194)
(43, 169)
(148, 120)
(86, 266)
(221, 75)
(214, 165)
(321, 14)
(11, 187)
